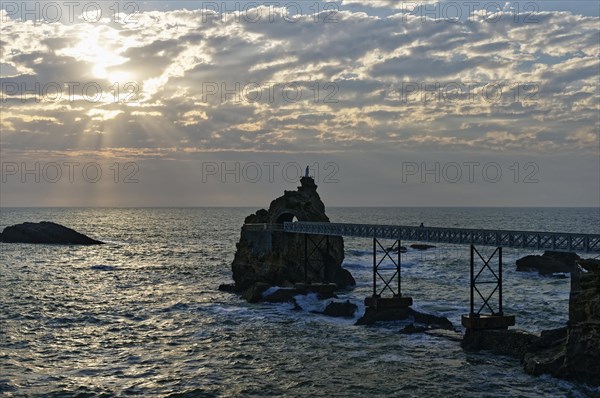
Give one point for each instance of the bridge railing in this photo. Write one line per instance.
(558, 241)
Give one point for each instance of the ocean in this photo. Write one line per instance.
(143, 316)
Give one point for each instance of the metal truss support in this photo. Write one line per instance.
(496, 280)
(309, 256)
(496, 319)
(388, 283)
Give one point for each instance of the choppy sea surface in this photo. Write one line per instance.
(142, 316)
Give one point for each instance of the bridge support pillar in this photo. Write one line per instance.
(496, 319)
(376, 301)
(309, 257)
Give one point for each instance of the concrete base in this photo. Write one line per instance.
(388, 302)
(480, 322)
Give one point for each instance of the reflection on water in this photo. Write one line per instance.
(142, 316)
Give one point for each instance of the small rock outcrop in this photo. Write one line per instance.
(45, 232)
(548, 263)
(266, 256)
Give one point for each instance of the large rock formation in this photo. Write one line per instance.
(45, 232)
(578, 356)
(571, 352)
(548, 263)
(266, 256)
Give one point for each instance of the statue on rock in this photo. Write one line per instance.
(267, 256)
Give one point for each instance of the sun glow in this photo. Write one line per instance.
(103, 71)
(105, 60)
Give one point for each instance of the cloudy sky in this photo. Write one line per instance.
(189, 103)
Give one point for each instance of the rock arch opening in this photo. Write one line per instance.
(286, 217)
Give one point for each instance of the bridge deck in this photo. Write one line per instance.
(558, 241)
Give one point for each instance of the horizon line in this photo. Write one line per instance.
(262, 207)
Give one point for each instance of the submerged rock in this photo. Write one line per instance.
(262, 292)
(412, 329)
(267, 255)
(548, 263)
(514, 343)
(372, 316)
(432, 330)
(421, 246)
(343, 310)
(227, 287)
(274, 294)
(396, 248)
(254, 293)
(283, 295)
(103, 267)
(45, 232)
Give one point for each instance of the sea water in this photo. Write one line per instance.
(142, 316)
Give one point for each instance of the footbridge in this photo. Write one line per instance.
(556, 241)
(486, 272)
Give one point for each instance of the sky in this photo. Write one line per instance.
(389, 103)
